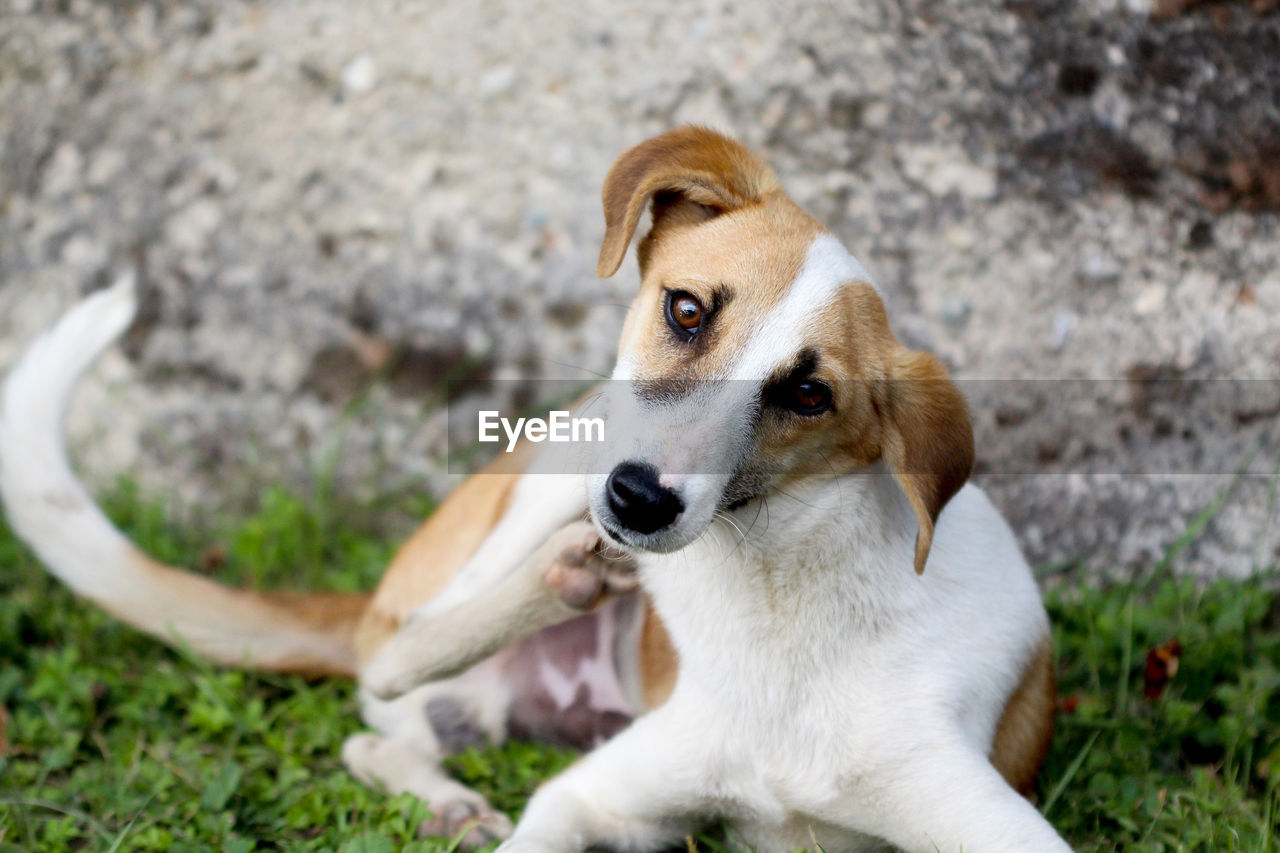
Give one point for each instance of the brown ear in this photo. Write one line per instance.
(928, 439)
(692, 163)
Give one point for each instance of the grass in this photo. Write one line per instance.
(116, 742)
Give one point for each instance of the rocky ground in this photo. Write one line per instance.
(336, 207)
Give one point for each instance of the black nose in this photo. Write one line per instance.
(638, 501)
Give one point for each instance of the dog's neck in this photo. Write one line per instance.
(799, 574)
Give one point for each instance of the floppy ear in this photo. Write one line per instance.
(928, 439)
(691, 164)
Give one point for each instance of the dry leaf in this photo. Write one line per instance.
(1162, 666)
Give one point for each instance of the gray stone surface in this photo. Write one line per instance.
(335, 206)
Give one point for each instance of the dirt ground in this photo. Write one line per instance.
(336, 206)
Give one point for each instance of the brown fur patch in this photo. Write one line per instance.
(1026, 727)
(693, 164)
(849, 337)
(659, 664)
(752, 255)
(929, 444)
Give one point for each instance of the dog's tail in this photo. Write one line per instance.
(48, 508)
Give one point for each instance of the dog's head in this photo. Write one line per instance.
(756, 353)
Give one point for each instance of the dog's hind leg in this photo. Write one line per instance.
(404, 765)
(412, 736)
(539, 504)
(571, 573)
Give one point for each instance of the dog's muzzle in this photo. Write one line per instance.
(640, 503)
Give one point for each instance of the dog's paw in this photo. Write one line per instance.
(584, 568)
(482, 825)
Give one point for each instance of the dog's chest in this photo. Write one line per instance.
(566, 680)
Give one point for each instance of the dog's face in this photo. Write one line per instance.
(756, 353)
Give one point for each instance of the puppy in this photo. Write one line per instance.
(838, 645)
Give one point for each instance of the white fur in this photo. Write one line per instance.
(827, 695)
(828, 267)
(45, 503)
(826, 692)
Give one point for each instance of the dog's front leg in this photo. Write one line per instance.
(948, 798)
(637, 792)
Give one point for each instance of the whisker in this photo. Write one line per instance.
(729, 520)
(594, 373)
(742, 536)
(756, 517)
(834, 476)
(589, 402)
(715, 537)
(785, 493)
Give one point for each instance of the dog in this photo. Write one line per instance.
(869, 668)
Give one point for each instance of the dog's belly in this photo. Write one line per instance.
(567, 681)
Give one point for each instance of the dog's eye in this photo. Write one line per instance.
(684, 313)
(809, 398)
